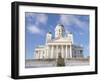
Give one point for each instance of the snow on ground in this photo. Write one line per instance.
(45, 63)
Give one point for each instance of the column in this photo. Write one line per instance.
(65, 54)
(46, 53)
(70, 51)
(49, 53)
(52, 51)
(62, 51)
(39, 55)
(57, 51)
(34, 55)
(66, 51)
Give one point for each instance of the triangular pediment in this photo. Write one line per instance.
(61, 40)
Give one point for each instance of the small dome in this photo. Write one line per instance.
(49, 32)
(70, 32)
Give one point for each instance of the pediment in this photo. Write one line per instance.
(61, 40)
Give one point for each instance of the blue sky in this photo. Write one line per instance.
(38, 24)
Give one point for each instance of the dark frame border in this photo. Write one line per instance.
(15, 39)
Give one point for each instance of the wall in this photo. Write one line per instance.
(5, 41)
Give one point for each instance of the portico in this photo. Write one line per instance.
(53, 51)
(60, 45)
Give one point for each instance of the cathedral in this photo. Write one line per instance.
(61, 44)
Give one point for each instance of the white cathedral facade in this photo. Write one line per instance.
(61, 44)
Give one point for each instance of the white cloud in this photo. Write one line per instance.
(64, 19)
(51, 27)
(41, 18)
(38, 18)
(68, 20)
(30, 14)
(81, 33)
(35, 30)
(81, 45)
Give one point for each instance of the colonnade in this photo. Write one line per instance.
(53, 51)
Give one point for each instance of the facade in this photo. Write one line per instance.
(61, 44)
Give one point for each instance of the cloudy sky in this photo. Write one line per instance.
(38, 24)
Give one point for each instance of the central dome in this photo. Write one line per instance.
(59, 27)
(59, 31)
